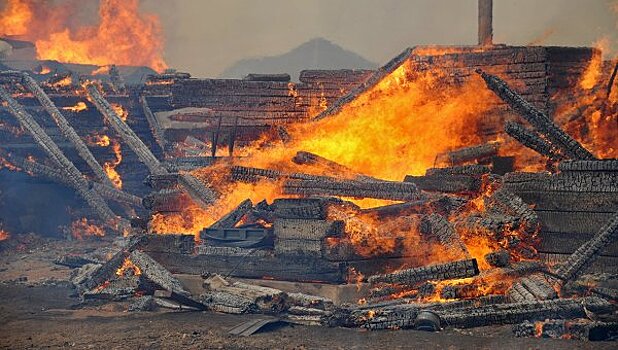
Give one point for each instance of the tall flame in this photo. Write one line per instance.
(122, 36)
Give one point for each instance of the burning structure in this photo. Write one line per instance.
(456, 186)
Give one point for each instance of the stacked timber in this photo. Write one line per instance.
(571, 206)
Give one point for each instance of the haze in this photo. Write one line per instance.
(205, 37)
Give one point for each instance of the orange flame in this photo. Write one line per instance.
(110, 167)
(4, 235)
(120, 111)
(123, 35)
(82, 228)
(593, 73)
(80, 106)
(128, 265)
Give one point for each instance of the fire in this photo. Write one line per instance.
(122, 35)
(101, 70)
(593, 73)
(110, 167)
(82, 228)
(4, 235)
(120, 111)
(80, 106)
(99, 140)
(45, 70)
(128, 265)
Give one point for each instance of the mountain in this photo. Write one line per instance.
(317, 53)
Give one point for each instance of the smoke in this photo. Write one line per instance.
(205, 37)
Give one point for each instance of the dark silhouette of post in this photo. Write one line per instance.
(486, 31)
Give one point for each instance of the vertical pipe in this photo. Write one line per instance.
(486, 32)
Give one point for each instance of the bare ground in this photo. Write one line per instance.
(42, 312)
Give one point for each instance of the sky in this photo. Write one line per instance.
(206, 36)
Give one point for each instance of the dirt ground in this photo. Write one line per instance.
(39, 309)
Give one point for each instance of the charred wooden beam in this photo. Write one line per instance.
(112, 193)
(438, 272)
(300, 208)
(498, 258)
(162, 181)
(472, 153)
(539, 120)
(506, 202)
(401, 191)
(155, 127)
(602, 165)
(532, 140)
(124, 131)
(230, 219)
(246, 174)
(67, 131)
(438, 228)
(200, 193)
(443, 205)
(267, 77)
(74, 176)
(567, 329)
(471, 169)
(588, 252)
(447, 183)
(307, 229)
(308, 158)
(531, 288)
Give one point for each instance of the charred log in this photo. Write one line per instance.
(531, 140)
(469, 154)
(439, 272)
(438, 228)
(348, 188)
(230, 219)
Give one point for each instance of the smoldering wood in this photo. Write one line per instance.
(498, 258)
(230, 219)
(73, 175)
(506, 202)
(300, 208)
(162, 181)
(307, 229)
(447, 183)
(199, 192)
(437, 272)
(559, 329)
(539, 120)
(67, 131)
(472, 153)
(391, 190)
(436, 227)
(531, 288)
(531, 140)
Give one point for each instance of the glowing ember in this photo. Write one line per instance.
(80, 106)
(101, 70)
(123, 35)
(128, 267)
(99, 140)
(45, 70)
(4, 235)
(81, 229)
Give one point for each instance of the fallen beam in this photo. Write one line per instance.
(472, 153)
(436, 227)
(438, 272)
(230, 219)
(400, 191)
(532, 140)
(539, 120)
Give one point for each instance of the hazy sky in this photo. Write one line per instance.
(206, 36)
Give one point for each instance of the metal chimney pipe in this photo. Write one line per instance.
(486, 31)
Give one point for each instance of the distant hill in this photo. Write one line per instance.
(317, 53)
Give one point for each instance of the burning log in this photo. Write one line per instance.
(67, 167)
(155, 127)
(442, 205)
(401, 191)
(539, 120)
(166, 200)
(336, 169)
(493, 314)
(438, 228)
(231, 218)
(446, 183)
(471, 169)
(201, 194)
(531, 140)
(112, 193)
(245, 174)
(588, 252)
(65, 128)
(300, 208)
(469, 154)
(156, 273)
(304, 236)
(438, 272)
